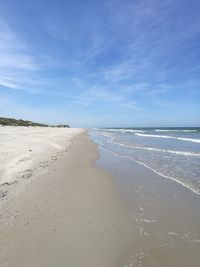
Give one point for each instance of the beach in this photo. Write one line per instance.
(70, 215)
(164, 209)
(100, 133)
(90, 207)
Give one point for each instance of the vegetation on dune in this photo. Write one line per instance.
(15, 122)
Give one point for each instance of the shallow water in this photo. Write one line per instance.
(165, 215)
(173, 153)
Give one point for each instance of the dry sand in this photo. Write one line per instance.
(58, 209)
(70, 215)
(27, 152)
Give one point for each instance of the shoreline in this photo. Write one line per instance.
(174, 160)
(90, 208)
(185, 186)
(165, 214)
(69, 216)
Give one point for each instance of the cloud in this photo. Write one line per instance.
(103, 96)
(126, 56)
(16, 63)
(13, 52)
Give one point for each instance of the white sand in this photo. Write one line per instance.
(70, 216)
(28, 151)
(63, 211)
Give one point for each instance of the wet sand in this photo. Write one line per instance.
(69, 216)
(74, 213)
(165, 215)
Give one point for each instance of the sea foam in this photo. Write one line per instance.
(169, 137)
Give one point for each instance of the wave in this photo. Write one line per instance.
(126, 130)
(133, 131)
(185, 131)
(192, 188)
(155, 135)
(169, 137)
(183, 153)
(188, 139)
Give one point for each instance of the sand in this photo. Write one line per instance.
(27, 152)
(165, 215)
(70, 215)
(68, 211)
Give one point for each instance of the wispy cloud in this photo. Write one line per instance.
(13, 52)
(107, 55)
(16, 63)
(20, 69)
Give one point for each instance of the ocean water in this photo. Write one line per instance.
(173, 153)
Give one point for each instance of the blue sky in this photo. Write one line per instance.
(101, 63)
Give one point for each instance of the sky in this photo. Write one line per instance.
(108, 63)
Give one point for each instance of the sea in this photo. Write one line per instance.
(172, 153)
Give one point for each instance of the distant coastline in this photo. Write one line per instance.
(19, 122)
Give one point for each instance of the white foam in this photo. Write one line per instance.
(126, 130)
(169, 137)
(183, 153)
(115, 130)
(196, 191)
(155, 135)
(189, 139)
(132, 131)
(184, 131)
